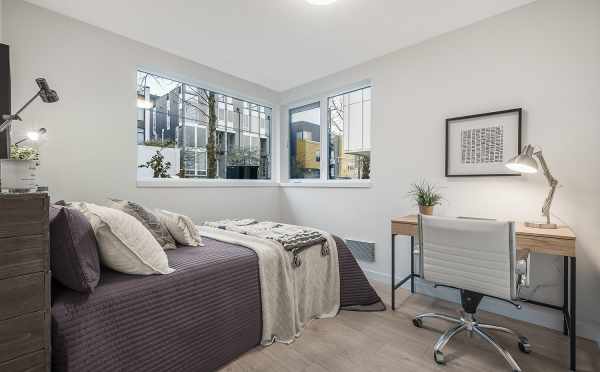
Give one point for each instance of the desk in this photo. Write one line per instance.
(556, 242)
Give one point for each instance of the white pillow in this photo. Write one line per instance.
(181, 227)
(125, 245)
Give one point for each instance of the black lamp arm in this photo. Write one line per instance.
(9, 118)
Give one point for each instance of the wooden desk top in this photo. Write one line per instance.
(558, 242)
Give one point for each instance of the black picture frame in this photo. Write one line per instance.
(449, 121)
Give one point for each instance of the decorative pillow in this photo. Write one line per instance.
(73, 250)
(125, 245)
(181, 227)
(149, 220)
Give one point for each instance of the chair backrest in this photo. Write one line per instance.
(476, 255)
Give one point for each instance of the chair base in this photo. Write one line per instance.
(468, 322)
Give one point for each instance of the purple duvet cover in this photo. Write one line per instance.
(198, 318)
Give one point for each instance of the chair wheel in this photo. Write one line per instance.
(418, 323)
(525, 347)
(438, 356)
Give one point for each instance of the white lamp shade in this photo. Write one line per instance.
(524, 162)
(36, 135)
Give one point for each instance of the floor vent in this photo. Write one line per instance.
(362, 251)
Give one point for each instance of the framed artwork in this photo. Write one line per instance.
(480, 145)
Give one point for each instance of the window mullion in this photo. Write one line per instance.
(324, 163)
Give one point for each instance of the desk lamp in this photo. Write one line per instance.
(526, 163)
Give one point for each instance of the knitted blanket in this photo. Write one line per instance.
(290, 296)
(292, 238)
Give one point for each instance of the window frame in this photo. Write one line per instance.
(324, 181)
(218, 182)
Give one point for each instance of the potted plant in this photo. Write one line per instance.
(426, 196)
(19, 172)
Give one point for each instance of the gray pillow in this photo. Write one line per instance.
(74, 256)
(149, 220)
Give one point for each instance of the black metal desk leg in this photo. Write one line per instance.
(572, 314)
(412, 264)
(565, 294)
(393, 272)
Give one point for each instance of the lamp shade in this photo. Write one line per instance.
(524, 162)
(37, 135)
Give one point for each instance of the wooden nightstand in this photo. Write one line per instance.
(24, 283)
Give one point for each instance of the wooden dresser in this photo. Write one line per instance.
(24, 283)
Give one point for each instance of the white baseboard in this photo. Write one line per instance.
(529, 313)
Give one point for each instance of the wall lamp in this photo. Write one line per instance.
(45, 93)
(33, 136)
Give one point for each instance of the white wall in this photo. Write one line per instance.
(91, 152)
(545, 58)
(1, 23)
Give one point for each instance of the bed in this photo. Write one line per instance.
(198, 318)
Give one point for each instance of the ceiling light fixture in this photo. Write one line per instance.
(320, 2)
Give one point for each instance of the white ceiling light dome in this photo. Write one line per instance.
(321, 2)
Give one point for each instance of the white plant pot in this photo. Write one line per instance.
(18, 175)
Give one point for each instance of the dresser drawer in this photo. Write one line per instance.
(22, 294)
(35, 362)
(22, 335)
(23, 214)
(23, 255)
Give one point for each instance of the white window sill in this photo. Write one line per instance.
(199, 183)
(221, 183)
(328, 183)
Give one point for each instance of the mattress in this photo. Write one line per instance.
(198, 318)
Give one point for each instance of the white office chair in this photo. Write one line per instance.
(478, 258)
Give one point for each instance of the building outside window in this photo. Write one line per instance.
(173, 118)
(347, 148)
(305, 141)
(349, 129)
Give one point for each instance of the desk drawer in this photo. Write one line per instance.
(22, 294)
(23, 255)
(22, 335)
(36, 362)
(400, 228)
(547, 245)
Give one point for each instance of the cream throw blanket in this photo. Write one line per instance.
(290, 296)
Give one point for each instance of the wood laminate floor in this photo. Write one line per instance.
(388, 341)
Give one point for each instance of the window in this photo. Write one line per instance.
(345, 153)
(349, 132)
(305, 141)
(173, 118)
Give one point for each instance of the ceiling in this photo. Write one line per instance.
(279, 44)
